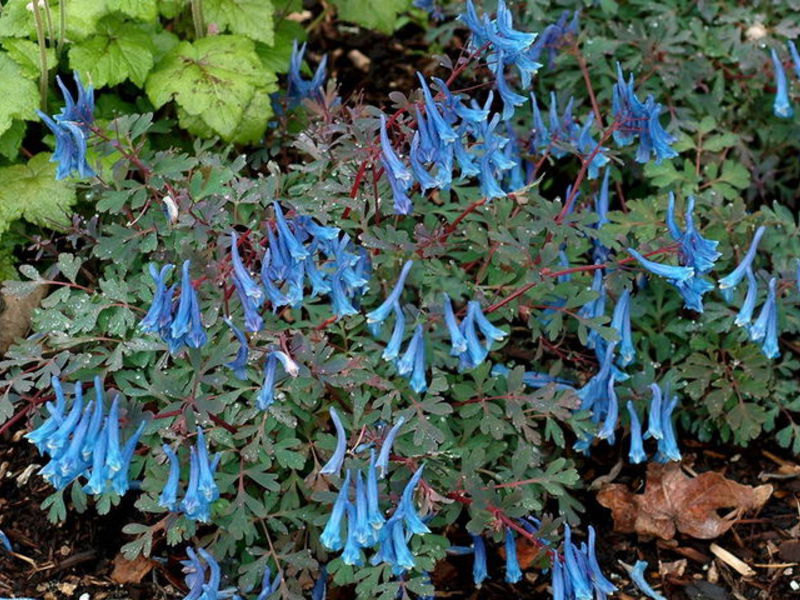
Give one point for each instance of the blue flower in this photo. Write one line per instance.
(637, 576)
(599, 580)
(672, 273)
(266, 395)
(352, 554)
(392, 350)
(595, 308)
(98, 478)
(169, 495)
(71, 128)
(407, 363)
(479, 570)
(745, 313)
(5, 542)
(334, 465)
(40, 436)
(242, 279)
(380, 314)
(636, 119)
(655, 428)
(331, 536)
(269, 585)
(386, 447)
(513, 572)
(695, 250)
(417, 381)
(612, 414)
(187, 327)
(405, 508)
(374, 514)
(668, 444)
(534, 379)
(296, 250)
(206, 485)
(299, 88)
(765, 327)
(578, 576)
(782, 106)
(160, 312)
(795, 57)
(636, 454)
(732, 279)
(554, 37)
(239, 364)
(621, 322)
(120, 482)
(318, 592)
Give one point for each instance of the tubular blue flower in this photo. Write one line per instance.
(443, 129)
(554, 37)
(290, 366)
(668, 445)
(636, 454)
(296, 249)
(193, 504)
(533, 379)
(114, 457)
(425, 179)
(765, 328)
(39, 436)
(577, 576)
(407, 362)
(266, 395)
(152, 321)
(186, 327)
(672, 273)
(595, 308)
(319, 591)
(96, 421)
(479, 570)
(637, 576)
(71, 148)
(374, 514)
(557, 580)
(509, 97)
(342, 306)
(195, 577)
(405, 508)
(476, 352)
(402, 203)
(245, 284)
(489, 186)
(458, 343)
(417, 381)
(331, 536)
(392, 350)
(64, 468)
(269, 585)
(96, 484)
(80, 112)
(428, 143)
(612, 414)
(206, 485)
(169, 495)
(745, 313)
(363, 531)
(695, 250)
(782, 106)
(386, 447)
(692, 291)
(489, 331)
(239, 364)
(334, 465)
(5, 542)
(513, 572)
(352, 554)
(120, 482)
(593, 395)
(196, 338)
(403, 558)
(601, 583)
(379, 314)
(655, 429)
(298, 88)
(621, 322)
(732, 279)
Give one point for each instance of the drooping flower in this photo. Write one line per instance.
(386, 447)
(169, 495)
(377, 316)
(513, 571)
(479, 570)
(636, 454)
(554, 37)
(745, 314)
(187, 326)
(238, 364)
(331, 536)
(695, 250)
(765, 327)
(732, 279)
(782, 106)
(637, 576)
(334, 465)
(576, 571)
(669, 272)
(202, 489)
(599, 580)
(668, 444)
(269, 585)
(606, 432)
(392, 350)
(621, 322)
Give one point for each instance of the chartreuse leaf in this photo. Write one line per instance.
(372, 15)
(142, 10)
(26, 54)
(276, 57)
(120, 50)
(11, 139)
(251, 18)
(30, 191)
(215, 80)
(23, 102)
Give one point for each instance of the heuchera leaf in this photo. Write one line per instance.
(252, 18)
(30, 191)
(23, 102)
(213, 79)
(372, 15)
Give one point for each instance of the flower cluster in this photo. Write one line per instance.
(201, 490)
(635, 119)
(299, 249)
(204, 577)
(72, 128)
(659, 427)
(555, 36)
(464, 340)
(565, 135)
(364, 521)
(697, 256)
(480, 571)
(177, 321)
(85, 442)
(297, 87)
(576, 573)
(266, 395)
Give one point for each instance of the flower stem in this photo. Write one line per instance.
(197, 18)
(40, 37)
(62, 25)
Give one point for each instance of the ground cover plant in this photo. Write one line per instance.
(320, 345)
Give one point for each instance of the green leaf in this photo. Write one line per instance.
(276, 57)
(31, 192)
(141, 10)
(251, 18)
(26, 54)
(11, 140)
(735, 174)
(69, 265)
(214, 79)
(372, 15)
(118, 51)
(23, 102)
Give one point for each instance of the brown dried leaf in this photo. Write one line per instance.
(130, 571)
(672, 500)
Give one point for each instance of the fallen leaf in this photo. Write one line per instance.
(130, 571)
(672, 500)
